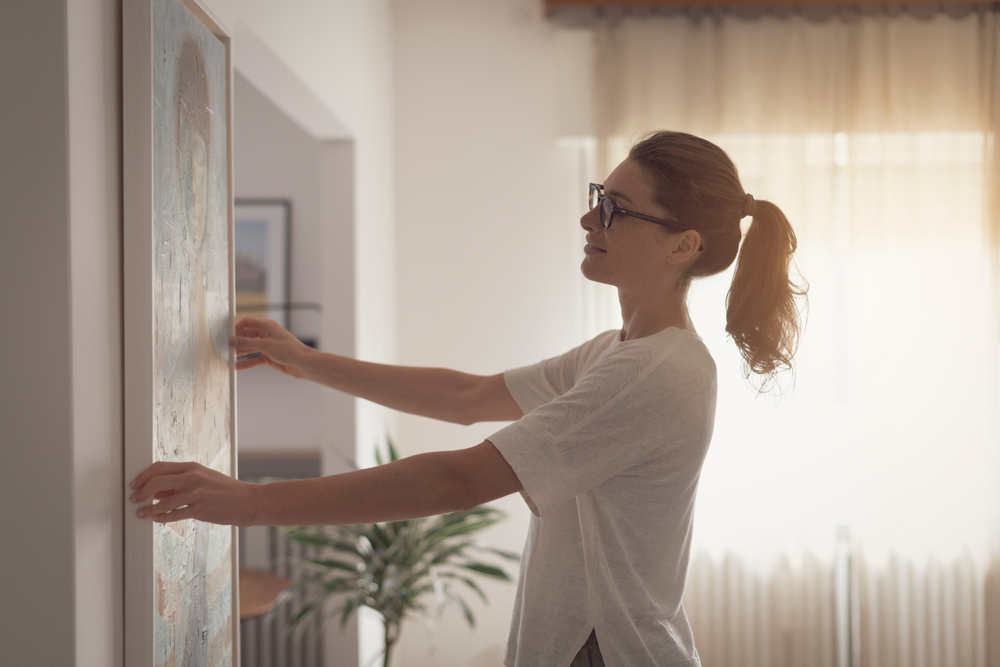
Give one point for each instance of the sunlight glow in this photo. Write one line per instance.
(889, 425)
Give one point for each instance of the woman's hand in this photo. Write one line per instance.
(279, 349)
(192, 491)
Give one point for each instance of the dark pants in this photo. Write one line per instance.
(590, 654)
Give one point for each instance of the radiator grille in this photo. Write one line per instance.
(263, 640)
(820, 615)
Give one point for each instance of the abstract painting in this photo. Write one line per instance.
(191, 388)
(192, 559)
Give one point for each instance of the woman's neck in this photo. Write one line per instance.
(650, 310)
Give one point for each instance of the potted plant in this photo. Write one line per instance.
(395, 568)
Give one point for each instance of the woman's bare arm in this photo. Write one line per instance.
(438, 393)
(421, 485)
(417, 486)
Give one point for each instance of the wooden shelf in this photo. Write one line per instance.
(260, 591)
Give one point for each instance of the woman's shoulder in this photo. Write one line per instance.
(668, 343)
(666, 355)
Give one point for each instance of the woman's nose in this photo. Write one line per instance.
(591, 220)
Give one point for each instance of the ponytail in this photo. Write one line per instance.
(761, 312)
(698, 183)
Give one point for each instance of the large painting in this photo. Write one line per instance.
(188, 389)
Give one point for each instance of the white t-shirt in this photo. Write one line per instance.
(609, 453)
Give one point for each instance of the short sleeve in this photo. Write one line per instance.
(537, 384)
(625, 409)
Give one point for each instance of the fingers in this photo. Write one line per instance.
(248, 323)
(271, 328)
(250, 363)
(245, 344)
(161, 468)
(166, 505)
(162, 486)
(173, 485)
(189, 512)
(251, 326)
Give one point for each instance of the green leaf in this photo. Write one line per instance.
(396, 567)
(448, 552)
(486, 570)
(468, 582)
(333, 564)
(379, 537)
(341, 542)
(346, 612)
(464, 608)
(509, 555)
(464, 527)
(340, 584)
(313, 539)
(304, 614)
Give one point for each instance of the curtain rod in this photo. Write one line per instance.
(555, 5)
(583, 13)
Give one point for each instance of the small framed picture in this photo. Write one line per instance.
(263, 259)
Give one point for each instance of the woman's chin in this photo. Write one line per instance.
(592, 273)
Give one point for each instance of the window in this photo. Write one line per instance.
(890, 426)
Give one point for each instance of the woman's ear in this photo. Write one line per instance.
(685, 246)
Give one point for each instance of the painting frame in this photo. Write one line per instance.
(276, 214)
(139, 137)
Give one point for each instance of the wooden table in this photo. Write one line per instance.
(260, 591)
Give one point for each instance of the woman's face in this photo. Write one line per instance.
(632, 252)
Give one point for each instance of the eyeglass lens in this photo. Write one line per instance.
(607, 206)
(607, 212)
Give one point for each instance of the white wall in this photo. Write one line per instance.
(276, 158)
(485, 281)
(94, 35)
(61, 476)
(342, 50)
(37, 619)
(489, 243)
(60, 375)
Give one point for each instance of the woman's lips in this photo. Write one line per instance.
(592, 250)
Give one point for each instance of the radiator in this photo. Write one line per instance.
(931, 616)
(837, 612)
(840, 612)
(742, 619)
(263, 641)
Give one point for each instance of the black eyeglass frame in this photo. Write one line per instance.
(607, 218)
(615, 208)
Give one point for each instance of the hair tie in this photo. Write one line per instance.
(749, 205)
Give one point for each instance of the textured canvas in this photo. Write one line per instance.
(192, 392)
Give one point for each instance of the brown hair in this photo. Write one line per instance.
(695, 181)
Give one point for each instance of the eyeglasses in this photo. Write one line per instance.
(609, 209)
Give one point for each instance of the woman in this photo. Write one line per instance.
(609, 438)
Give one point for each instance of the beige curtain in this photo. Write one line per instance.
(875, 133)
